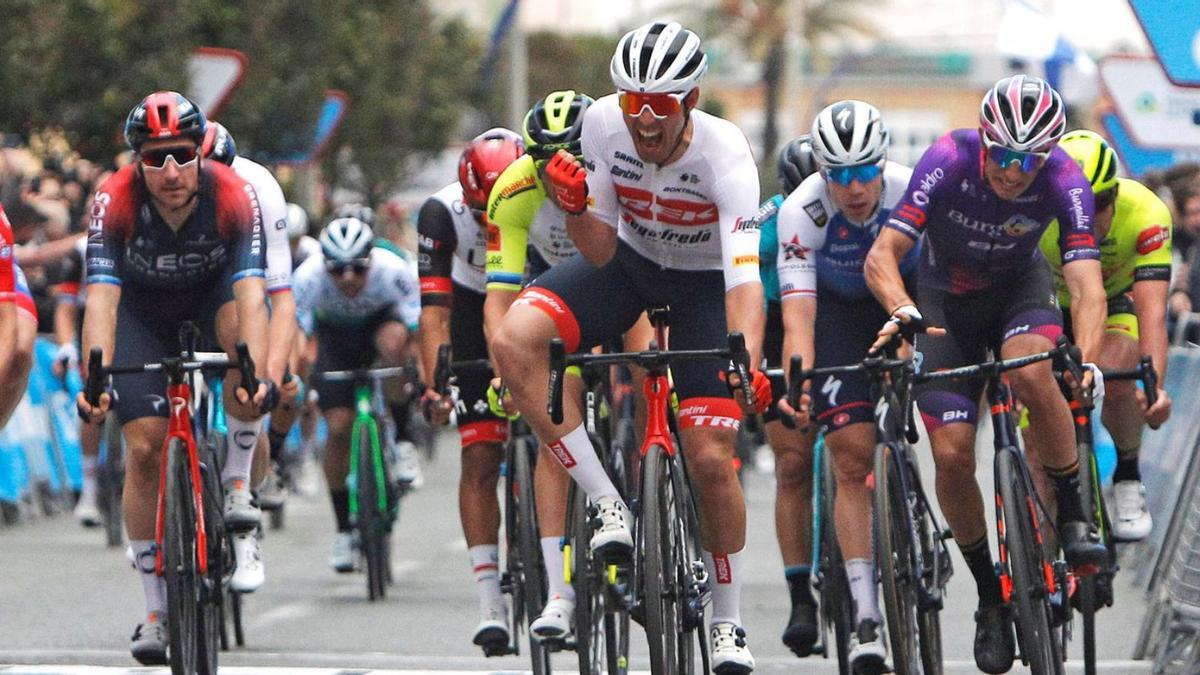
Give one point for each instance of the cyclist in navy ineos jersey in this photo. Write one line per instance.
(983, 198)
(173, 238)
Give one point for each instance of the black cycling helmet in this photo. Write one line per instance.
(164, 114)
(218, 144)
(796, 162)
(556, 123)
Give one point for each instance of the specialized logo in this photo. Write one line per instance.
(816, 211)
(1152, 239)
(831, 388)
(724, 572)
(564, 456)
(794, 250)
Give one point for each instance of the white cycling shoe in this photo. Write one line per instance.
(1132, 522)
(554, 623)
(86, 510)
(615, 531)
(868, 653)
(407, 469)
(492, 632)
(341, 554)
(241, 513)
(149, 642)
(730, 654)
(250, 573)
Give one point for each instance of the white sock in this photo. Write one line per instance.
(725, 580)
(242, 438)
(575, 452)
(861, 574)
(485, 561)
(88, 488)
(556, 579)
(152, 585)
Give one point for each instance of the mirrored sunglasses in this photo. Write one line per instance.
(183, 156)
(1004, 158)
(845, 175)
(661, 105)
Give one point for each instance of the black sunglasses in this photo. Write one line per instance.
(182, 155)
(338, 268)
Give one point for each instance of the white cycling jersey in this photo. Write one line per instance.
(274, 219)
(392, 292)
(470, 253)
(820, 247)
(696, 213)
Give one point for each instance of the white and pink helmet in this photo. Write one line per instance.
(1023, 113)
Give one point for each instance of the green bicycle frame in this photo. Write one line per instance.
(364, 422)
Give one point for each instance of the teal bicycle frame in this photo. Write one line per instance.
(818, 497)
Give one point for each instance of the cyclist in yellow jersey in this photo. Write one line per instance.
(1134, 229)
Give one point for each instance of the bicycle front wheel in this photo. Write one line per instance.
(180, 569)
(111, 481)
(894, 554)
(658, 549)
(529, 543)
(1030, 598)
(837, 608)
(371, 526)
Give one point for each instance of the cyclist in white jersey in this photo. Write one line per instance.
(219, 145)
(826, 227)
(681, 190)
(360, 301)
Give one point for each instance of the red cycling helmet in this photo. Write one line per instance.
(164, 114)
(482, 162)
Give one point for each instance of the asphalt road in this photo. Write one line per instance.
(68, 604)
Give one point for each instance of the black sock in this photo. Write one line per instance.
(275, 439)
(979, 561)
(341, 509)
(1127, 465)
(1066, 490)
(798, 580)
(400, 419)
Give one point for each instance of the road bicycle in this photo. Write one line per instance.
(1033, 578)
(193, 554)
(374, 495)
(110, 480)
(669, 580)
(911, 554)
(1094, 591)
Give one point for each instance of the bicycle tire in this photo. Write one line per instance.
(894, 556)
(529, 543)
(688, 556)
(837, 610)
(179, 561)
(1032, 613)
(370, 532)
(656, 550)
(1088, 590)
(590, 603)
(111, 482)
(221, 563)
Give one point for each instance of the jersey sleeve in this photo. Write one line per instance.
(515, 199)
(1075, 210)
(240, 218)
(436, 241)
(1153, 242)
(305, 289)
(929, 177)
(407, 285)
(110, 224)
(274, 216)
(736, 197)
(69, 279)
(602, 195)
(799, 241)
(8, 283)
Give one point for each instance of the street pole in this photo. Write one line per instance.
(518, 93)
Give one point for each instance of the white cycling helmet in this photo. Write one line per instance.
(346, 239)
(1023, 113)
(849, 133)
(661, 57)
(297, 221)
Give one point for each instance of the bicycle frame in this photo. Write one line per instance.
(179, 394)
(365, 422)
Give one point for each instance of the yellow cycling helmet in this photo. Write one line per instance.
(1095, 156)
(556, 122)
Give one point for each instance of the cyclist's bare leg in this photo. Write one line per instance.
(1122, 414)
(143, 450)
(958, 492)
(637, 339)
(244, 421)
(852, 450)
(1051, 437)
(793, 491)
(478, 507)
(337, 446)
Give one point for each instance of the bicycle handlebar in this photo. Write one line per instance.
(1070, 359)
(173, 366)
(650, 359)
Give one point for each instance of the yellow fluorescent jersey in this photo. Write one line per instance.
(519, 215)
(1137, 247)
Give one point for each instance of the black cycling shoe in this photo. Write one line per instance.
(800, 636)
(995, 647)
(1080, 546)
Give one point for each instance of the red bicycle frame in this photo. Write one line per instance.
(657, 390)
(180, 426)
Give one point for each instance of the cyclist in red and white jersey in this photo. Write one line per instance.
(174, 238)
(18, 325)
(679, 189)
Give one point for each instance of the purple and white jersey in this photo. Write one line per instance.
(974, 239)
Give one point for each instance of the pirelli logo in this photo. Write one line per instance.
(745, 260)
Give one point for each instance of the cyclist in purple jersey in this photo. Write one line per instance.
(173, 238)
(982, 199)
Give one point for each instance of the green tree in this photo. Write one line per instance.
(82, 64)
